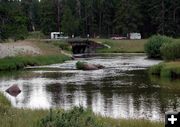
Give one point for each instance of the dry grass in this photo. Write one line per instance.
(46, 48)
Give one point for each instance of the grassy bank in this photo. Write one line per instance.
(12, 117)
(3, 101)
(19, 62)
(166, 69)
(122, 46)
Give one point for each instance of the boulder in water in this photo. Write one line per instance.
(14, 90)
(87, 66)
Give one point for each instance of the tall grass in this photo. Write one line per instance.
(110, 122)
(171, 51)
(19, 62)
(4, 102)
(168, 69)
(77, 117)
(12, 117)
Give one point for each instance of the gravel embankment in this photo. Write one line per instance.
(18, 48)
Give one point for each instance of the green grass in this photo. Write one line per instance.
(79, 117)
(80, 65)
(131, 123)
(166, 69)
(4, 102)
(19, 62)
(13, 117)
(122, 46)
(62, 45)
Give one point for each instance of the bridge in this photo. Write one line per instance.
(84, 46)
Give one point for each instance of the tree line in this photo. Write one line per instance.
(103, 18)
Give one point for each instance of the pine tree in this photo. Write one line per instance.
(48, 16)
(69, 24)
(128, 16)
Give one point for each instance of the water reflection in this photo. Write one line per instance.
(122, 90)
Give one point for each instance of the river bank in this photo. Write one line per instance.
(10, 116)
(53, 82)
(17, 55)
(166, 70)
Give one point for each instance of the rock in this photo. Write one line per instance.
(87, 66)
(90, 67)
(100, 66)
(14, 90)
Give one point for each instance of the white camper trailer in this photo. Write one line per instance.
(134, 36)
(58, 35)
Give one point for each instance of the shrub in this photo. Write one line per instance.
(152, 47)
(77, 117)
(36, 35)
(80, 65)
(171, 51)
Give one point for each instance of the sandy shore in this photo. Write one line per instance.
(18, 48)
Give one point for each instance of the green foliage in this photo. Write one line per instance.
(70, 24)
(171, 51)
(63, 45)
(47, 16)
(102, 18)
(13, 21)
(153, 45)
(31, 8)
(36, 35)
(77, 117)
(128, 16)
(4, 102)
(19, 62)
(168, 70)
(156, 69)
(80, 65)
(13, 117)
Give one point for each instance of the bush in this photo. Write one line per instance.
(36, 35)
(80, 65)
(152, 47)
(77, 117)
(171, 51)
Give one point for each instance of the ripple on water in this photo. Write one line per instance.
(121, 90)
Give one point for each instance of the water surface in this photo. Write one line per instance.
(122, 90)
